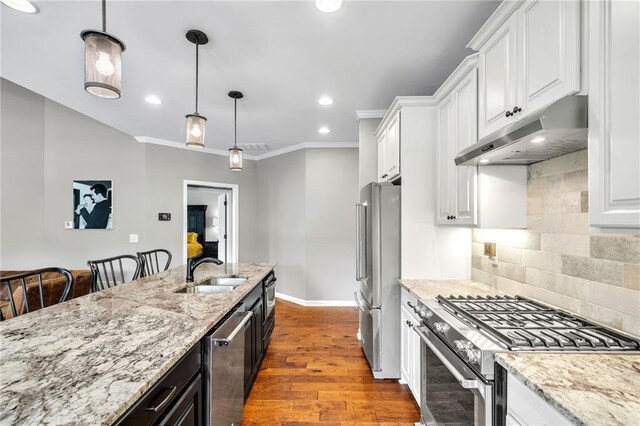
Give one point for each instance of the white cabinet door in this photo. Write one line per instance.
(393, 148)
(549, 49)
(466, 134)
(526, 408)
(445, 172)
(614, 111)
(406, 352)
(382, 157)
(498, 79)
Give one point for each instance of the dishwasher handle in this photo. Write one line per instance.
(228, 339)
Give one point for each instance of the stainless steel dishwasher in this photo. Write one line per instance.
(223, 370)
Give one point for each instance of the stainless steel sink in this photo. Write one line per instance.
(207, 289)
(232, 281)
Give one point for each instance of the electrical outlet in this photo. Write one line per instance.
(68, 224)
(490, 249)
(133, 238)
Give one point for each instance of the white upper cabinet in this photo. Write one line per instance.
(457, 129)
(614, 114)
(498, 79)
(529, 58)
(549, 49)
(393, 148)
(382, 157)
(389, 149)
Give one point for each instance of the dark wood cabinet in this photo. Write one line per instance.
(187, 411)
(253, 350)
(175, 399)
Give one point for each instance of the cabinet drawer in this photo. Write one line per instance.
(526, 408)
(165, 392)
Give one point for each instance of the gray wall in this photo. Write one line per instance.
(368, 152)
(281, 197)
(45, 146)
(307, 221)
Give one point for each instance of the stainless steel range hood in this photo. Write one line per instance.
(556, 130)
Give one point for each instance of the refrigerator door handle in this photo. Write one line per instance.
(361, 236)
(369, 308)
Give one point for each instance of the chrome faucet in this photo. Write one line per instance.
(191, 265)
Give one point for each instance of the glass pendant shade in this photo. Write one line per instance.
(103, 63)
(235, 159)
(195, 130)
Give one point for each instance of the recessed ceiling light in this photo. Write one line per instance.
(153, 99)
(484, 161)
(328, 6)
(25, 6)
(324, 130)
(538, 139)
(325, 100)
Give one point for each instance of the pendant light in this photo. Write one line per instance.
(196, 122)
(103, 61)
(235, 153)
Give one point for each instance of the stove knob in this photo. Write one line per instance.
(441, 327)
(425, 313)
(461, 345)
(473, 355)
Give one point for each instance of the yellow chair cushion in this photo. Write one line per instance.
(192, 237)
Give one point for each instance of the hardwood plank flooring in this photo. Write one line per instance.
(314, 373)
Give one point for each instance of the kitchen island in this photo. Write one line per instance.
(86, 361)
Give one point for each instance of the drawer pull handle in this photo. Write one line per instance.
(169, 392)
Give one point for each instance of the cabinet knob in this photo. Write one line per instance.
(508, 114)
(448, 217)
(517, 109)
(453, 217)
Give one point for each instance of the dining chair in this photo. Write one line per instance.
(110, 272)
(23, 292)
(151, 261)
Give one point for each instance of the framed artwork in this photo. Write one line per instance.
(92, 204)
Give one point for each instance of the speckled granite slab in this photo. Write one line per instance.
(429, 289)
(588, 389)
(88, 360)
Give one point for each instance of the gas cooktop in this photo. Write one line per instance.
(521, 323)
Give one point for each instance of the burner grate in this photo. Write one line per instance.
(523, 323)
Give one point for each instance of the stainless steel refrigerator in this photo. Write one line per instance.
(377, 272)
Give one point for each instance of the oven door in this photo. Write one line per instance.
(450, 391)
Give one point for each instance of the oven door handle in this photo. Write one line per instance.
(464, 382)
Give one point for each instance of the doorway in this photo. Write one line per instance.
(211, 213)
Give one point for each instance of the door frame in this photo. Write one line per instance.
(233, 241)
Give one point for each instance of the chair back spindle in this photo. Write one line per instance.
(152, 261)
(113, 271)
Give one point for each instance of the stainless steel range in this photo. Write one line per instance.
(460, 335)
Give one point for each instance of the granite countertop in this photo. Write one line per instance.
(588, 389)
(429, 289)
(88, 360)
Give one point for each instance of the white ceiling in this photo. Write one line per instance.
(282, 54)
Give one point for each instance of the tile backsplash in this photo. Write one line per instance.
(558, 260)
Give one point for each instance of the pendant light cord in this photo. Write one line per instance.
(235, 122)
(104, 16)
(197, 75)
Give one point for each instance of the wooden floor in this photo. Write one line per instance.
(315, 373)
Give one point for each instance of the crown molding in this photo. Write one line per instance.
(373, 113)
(306, 145)
(456, 76)
(403, 102)
(225, 153)
(182, 145)
(497, 18)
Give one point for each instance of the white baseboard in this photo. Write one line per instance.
(297, 301)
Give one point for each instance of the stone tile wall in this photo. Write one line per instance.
(558, 260)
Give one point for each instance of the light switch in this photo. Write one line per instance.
(133, 238)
